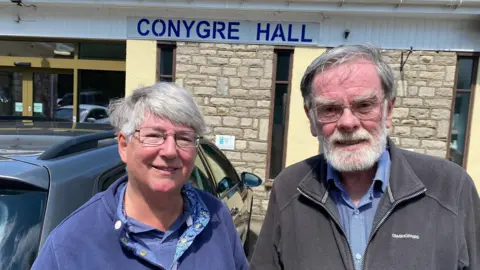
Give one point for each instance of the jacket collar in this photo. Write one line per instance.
(402, 183)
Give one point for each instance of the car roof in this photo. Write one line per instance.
(84, 107)
(32, 139)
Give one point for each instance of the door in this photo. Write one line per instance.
(33, 92)
(228, 187)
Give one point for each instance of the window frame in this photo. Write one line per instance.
(272, 105)
(160, 47)
(475, 57)
(102, 179)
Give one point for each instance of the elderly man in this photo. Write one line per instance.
(151, 218)
(364, 203)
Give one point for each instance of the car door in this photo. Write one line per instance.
(228, 186)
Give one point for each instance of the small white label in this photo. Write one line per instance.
(38, 107)
(225, 142)
(18, 107)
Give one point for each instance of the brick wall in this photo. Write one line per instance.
(232, 84)
(421, 117)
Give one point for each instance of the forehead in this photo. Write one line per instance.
(160, 123)
(345, 81)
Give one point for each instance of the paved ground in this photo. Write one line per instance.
(255, 227)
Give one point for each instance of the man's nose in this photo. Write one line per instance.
(348, 121)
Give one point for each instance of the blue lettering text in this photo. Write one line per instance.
(172, 28)
(233, 30)
(220, 29)
(139, 27)
(278, 32)
(290, 31)
(304, 39)
(188, 26)
(154, 28)
(206, 31)
(260, 31)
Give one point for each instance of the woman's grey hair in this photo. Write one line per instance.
(165, 100)
(343, 54)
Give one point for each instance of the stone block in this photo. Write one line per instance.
(431, 144)
(250, 133)
(263, 129)
(423, 132)
(254, 157)
(228, 131)
(222, 101)
(407, 142)
(427, 92)
(200, 90)
(258, 146)
(230, 121)
(257, 112)
(440, 114)
(229, 71)
(213, 120)
(199, 60)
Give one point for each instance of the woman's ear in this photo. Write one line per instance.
(122, 146)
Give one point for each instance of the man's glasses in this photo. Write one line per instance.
(154, 137)
(363, 110)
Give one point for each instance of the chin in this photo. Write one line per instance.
(165, 185)
(350, 161)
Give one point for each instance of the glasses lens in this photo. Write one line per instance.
(328, 113)
(151, 136)
(186, 140)
(365, 110)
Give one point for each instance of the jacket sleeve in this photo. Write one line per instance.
(267, 253)
(240, 260)
(469, 212)
(46, 259)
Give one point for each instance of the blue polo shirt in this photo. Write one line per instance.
(357, 220)
(161, 245)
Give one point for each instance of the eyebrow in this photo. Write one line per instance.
(326, 101)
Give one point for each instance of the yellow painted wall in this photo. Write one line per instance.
(141, 64)
(473, 159)
(300, 142)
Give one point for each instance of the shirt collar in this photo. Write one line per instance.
(193, 208)
(382, 174)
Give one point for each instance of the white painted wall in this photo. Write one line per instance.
(422, 33)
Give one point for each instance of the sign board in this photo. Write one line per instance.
(18, 107)
(226, 142)
(223, 31)
(38, 107)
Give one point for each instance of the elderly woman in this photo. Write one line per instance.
(151, 218)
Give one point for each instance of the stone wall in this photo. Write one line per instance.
(421, 118)
(232, 84)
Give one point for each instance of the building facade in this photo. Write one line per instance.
(243, 62)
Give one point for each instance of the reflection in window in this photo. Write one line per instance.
(461, 109)
(37, 49)
(166, 62)
(102, 51)
(11, 93)
(21, 214)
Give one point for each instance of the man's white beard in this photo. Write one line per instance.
(358, 160)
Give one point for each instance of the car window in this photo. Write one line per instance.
(110, 176)
(199, 177)
(225, 175)
(21, 215)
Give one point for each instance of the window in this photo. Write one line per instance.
(110, 176)
(462, 108)
(166, 62)
(278, 121)
(21, 216)
(199, 177)
(225, 175)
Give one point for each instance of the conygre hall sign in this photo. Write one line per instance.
(226, 31)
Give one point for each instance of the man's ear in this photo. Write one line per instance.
(311, 119)
(390, 106)
(122, 146)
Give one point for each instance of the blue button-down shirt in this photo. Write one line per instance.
(357, 220)
(163, 248)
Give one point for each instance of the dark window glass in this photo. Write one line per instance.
(199, 177)
(11, 93)
(36, 49)
(283, 65)
(166, 79)
(465, 73)
(225, 175)
(102, 51)
(109, 177)
(21, 215)
(281, 92)
(459, 127)
(166, 61)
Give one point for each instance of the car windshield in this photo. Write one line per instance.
(21, 214)
(66, 113)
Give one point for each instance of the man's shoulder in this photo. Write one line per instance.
(442, 178)
(287, 181)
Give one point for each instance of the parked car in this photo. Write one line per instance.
(48, 169)
(86, 96)
(88, 113)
